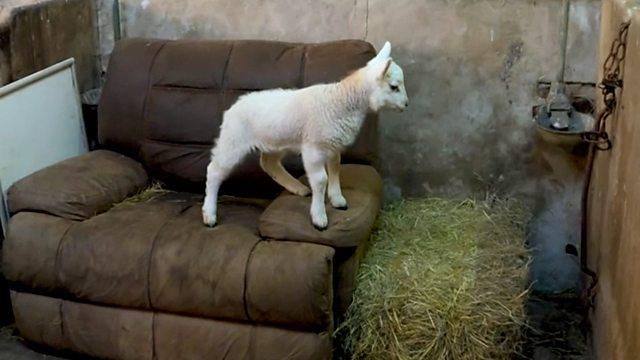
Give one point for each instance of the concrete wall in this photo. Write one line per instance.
(107, 31)
(37, 33)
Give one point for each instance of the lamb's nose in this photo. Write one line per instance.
(406, 104)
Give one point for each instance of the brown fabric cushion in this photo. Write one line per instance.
(201, 271)
(39, 319)
(123, 98)
(179, 337)
(107, 333)
(346, 265)
(127, 334)
(158, 255)
(80, 187)
(360, 178)
(287, 217)
(96, 331)
(106, 259)
(290, 284)
(163, 101)
(30, 249)
(227, 272)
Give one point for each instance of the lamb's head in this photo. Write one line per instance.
(386, 80)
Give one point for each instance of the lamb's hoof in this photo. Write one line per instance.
(209, 221)
(339, 202)
(320, 222)
(320, 228)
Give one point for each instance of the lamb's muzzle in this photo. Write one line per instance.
(319, 122)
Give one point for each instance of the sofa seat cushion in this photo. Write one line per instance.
(157, 255)
(80, 187)
(287, 217)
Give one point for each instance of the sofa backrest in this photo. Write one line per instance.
(163, 101)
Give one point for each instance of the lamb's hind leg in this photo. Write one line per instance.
(224, 156)
(314, 160)
(334, 191)
(272, 165)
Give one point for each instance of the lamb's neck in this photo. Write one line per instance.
(351, 95)
(348, 103)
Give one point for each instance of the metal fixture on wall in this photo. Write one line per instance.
(564, 35)
(557, 120)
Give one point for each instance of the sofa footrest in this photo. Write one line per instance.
(126, 334)
(287, 217)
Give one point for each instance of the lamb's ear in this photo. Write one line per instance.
(383, 54)
(386, 68)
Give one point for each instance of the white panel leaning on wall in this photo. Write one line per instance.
(40, 125)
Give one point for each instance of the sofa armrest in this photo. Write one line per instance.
(287, 217)
(80, 187)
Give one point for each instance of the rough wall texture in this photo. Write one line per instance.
(471, 67)
(614, 202)
(37, 33)
(107, 33)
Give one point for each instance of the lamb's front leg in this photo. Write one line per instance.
(335, 193)
(314, 160)
(209, 207)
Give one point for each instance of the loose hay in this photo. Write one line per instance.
(443, 279)
(150, 192)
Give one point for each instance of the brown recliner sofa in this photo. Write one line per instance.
(146, 279)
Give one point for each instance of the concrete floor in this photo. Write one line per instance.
(556, 329)
(12, 347)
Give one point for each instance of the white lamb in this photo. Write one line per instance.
(318, 121)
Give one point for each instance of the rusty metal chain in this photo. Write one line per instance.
(611, 81)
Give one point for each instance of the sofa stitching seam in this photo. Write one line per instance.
(176, 144)
(56, 267)
(226, 67)
(246, 276)
(60, 312)
(61, 195)
(56, 263)
(223, 82)
(303, 65)
(148, 90)
(153, 335)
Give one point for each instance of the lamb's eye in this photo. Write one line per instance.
(394, 87)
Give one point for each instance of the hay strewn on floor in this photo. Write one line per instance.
(443, 279)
